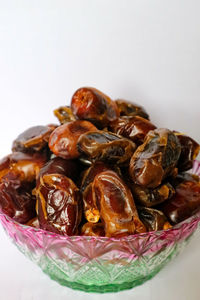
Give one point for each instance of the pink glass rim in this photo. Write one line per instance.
(195, 219)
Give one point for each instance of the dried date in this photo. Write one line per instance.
(151, 197)
(63, 140)
(25, 166)
(92, 105)
(133, 127)
(105, 146)
(127, 108)
(64, 114)
(59, 204)
(16, 199)
(153, 219)
(185, 202)
(155, 159)
(33, 139)
(116, 205)
(189, 151)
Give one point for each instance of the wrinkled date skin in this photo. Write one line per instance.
(91, 229)
(91, 210)
(25, 166)
(105, 146)
(16, 199)
(152, 197)
(185, 202)
(33, 139)
(64, 114)
(134, 127)
(94, 169)
(116, 205)
(92, 105)
(155, 159)
(189, 151)
(59, 205)
(58, 165)
(153, 219)
(127, 108)
(63, 140)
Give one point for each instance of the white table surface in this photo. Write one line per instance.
(145, 51)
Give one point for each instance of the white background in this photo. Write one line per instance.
(145, 51)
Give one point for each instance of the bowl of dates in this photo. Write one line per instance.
(102, 199)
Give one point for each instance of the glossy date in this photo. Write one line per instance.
(63, 140)
(185, 202)
(153, 219)
(92, 105)
(33, 139)
(133, 127)
(116, 205)
(16, 199)
(151, 197)
(105, 146)
(155, 159)
(127, 108)
(59, 204)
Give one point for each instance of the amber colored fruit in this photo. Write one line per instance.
(64, 114)
(105, 146)
(90, 104)
(156, 158)
(127, 108)
(33, 139)
(25, 166)
(133, 127)
(116, 205)
(63, 140)
(150, 197)
(153, 219)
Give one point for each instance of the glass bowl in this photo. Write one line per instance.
(100, 264)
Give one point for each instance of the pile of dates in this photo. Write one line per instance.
(105, 170)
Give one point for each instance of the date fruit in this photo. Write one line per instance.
(189, 151)
(185, 202)
(134, 127)
(16, 199)
(59, 204)
(153, 219)
(64, 114)
(116, 205)
(33, 139)
(151, 197)
(105, 146)
(155, 159)
(90, 104)
(63, 140)
(127, 108)
(25, 166)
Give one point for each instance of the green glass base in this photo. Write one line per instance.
(105, 288)
(110, 287)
